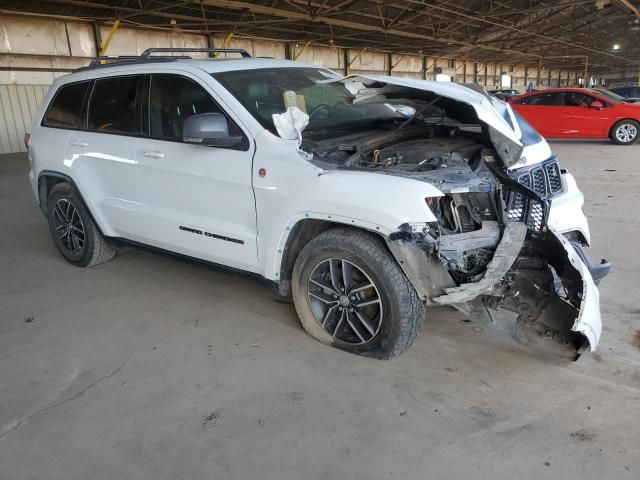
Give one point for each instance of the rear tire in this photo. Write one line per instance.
(625, 132)
(73, 230)
(336, 306)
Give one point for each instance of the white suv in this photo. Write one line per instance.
(364, 199)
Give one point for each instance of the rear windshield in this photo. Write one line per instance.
(609, 95)
(66, 108)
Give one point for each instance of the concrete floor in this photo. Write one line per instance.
(152, 368)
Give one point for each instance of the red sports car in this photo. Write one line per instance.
(580, 113)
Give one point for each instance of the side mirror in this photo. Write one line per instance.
(211, 129)
(597, 105)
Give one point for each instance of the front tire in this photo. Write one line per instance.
(350, 293)
(73, 230)
(625, 132)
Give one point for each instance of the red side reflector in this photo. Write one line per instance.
(27, 136)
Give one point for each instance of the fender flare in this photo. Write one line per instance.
(43, 192)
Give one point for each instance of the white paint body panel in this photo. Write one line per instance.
(294, 189)
(589, 322)
(566, 213)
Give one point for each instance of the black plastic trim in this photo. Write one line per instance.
(42, 198)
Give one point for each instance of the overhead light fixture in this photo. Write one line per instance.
(616, 46)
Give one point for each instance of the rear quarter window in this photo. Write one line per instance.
(65, 110)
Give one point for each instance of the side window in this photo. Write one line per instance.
(113, 107)
(547, 99)
(66, 108)
(577, 99)
(173, 99)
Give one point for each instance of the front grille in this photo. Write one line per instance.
(544, 179)
(524, 208)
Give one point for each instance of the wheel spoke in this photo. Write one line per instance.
(342, 315)
(330, 310)
(58, 211)
(324, 300)
(367, 303)
(346, 275)
(64, 234)
(78, 232)
(323, 286)
(355, 330)
(364, 321)
(361, 288)
(335, 277)
(75, 244)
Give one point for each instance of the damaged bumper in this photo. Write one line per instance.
(537, 277)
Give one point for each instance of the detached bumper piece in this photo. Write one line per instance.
(565, 319)
(562, 318)
(503, 259)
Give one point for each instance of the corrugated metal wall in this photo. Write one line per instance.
(48, 44)
(18, 104)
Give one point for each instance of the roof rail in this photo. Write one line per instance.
(148, 57)
(147, 53)
(102, 59)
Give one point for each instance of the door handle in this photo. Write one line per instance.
(79, 143)
(152, 154)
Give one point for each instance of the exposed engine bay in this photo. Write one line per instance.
(490, 249)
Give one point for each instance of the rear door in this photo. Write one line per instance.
(198, 200)
(543, 111)
(102, 153)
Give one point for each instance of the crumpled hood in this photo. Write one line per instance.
(505, 140)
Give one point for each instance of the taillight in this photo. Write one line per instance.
(27, 136)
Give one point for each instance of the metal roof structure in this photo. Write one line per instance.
(565, 32)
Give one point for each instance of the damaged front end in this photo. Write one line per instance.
(511, 267)
(488, 249)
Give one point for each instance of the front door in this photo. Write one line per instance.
(198, 200)
(587, 121)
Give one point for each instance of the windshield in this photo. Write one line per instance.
(610, 95)
(264, 92)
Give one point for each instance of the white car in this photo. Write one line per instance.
(365, 199)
